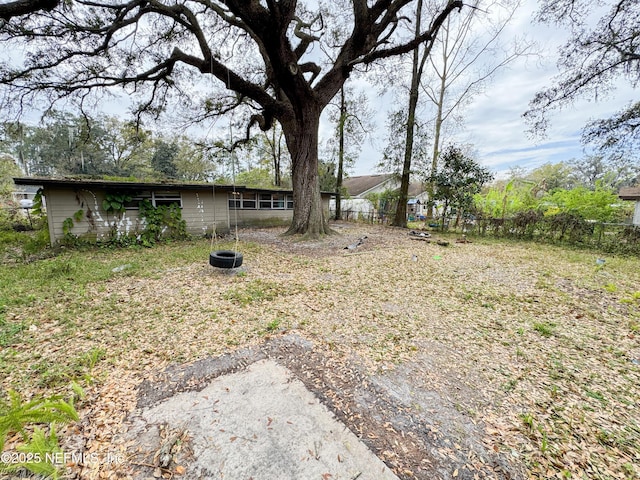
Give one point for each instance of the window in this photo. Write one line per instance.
(239, 200)
(275, 201)
(265, 200)
(166, 198)
(138, 197)
(278, 200)
(234, 200)
(248, 200)
(156, 199)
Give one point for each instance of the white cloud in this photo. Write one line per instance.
(494, 122)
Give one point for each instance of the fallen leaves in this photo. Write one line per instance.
(478, 302)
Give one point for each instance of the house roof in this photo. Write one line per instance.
(124, 185)
(415, 189)
(630, 193)
(356, 186)
(359, 185)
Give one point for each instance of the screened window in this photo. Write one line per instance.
(249, 200)
(134, 204)
(156, 199)
(234, 201)
(239, 200)
(166, 198)
(275, 201)
(265, 200)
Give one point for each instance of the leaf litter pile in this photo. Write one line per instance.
(538, 346)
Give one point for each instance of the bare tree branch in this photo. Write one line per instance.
(427, 36)
(592, 59)
(25, 7)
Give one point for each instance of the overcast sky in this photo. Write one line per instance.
(494, 123)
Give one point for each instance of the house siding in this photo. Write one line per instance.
(202, 214)
(258, 217)
(199, 211)
(96, 224)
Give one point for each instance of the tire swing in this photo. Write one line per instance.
(226, 259)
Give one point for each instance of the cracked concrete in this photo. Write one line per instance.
(260, 423)
(286, 410)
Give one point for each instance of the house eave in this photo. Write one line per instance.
(48, 182)
(630, 193)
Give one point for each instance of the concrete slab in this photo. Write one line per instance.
(261, 423)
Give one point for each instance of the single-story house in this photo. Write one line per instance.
(632, 194)
(360, 187)
(204, 207)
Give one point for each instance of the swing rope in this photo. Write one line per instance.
(215, 223)
(236, 201)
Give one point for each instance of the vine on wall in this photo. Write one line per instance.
(162, 221)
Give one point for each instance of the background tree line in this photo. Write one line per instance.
(586, 188)
(65, 144)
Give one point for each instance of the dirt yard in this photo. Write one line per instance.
(470, 360)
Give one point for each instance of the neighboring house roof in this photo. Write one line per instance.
(415, 189)
(123, 185)
(361, 185)
(413, 201)
(357, 186)
(630, 193)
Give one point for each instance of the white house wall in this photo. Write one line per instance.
(199, 210)
(201, 213)
(63, 203)
(354, 205)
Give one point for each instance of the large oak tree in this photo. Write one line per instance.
(270, 57)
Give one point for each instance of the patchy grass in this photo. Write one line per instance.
(549, 343)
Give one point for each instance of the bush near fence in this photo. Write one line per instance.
(563, 228)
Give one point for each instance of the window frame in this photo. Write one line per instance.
(275, 201)
(157, 198)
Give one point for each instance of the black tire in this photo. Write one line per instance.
(225, 259)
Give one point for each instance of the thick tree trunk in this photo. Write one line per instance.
(25, 7)
(308, 213)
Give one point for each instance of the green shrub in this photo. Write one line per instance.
(163, 221)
